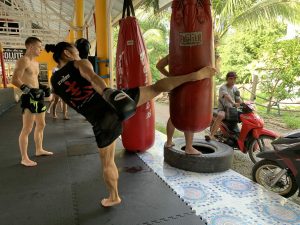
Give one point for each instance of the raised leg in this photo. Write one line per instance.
(169, 83)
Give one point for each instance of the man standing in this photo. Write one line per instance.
(189, 135)
(25, 77)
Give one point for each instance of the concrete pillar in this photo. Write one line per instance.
(79, 17)
(102, 38)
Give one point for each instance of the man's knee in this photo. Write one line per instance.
(107, 153)
(40, 126)
(26, 130)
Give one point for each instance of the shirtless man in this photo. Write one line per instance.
(25, 77)
(189, 149)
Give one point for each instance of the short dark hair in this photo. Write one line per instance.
(32, 40)
(231, 74)
(83, 46)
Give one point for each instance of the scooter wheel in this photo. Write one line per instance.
(263, 143)
(264, 171)
(215, 157)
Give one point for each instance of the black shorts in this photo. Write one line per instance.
(106, 125)
(33, 105)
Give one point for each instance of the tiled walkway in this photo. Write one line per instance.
(223, 198)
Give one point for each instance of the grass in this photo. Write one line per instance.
(292, 121)
(162, 128)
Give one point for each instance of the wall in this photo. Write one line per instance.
(47, 58)
(7, 99)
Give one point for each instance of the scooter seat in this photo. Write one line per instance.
(294, 134)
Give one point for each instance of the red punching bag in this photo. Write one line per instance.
(133, 70)
(191, 48)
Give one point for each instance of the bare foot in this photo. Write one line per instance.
(43, 153)
(192, 151)
(54, 116)
(109, 203)
(66, 118)
(205, 72)
(28, 162)
(169, 144)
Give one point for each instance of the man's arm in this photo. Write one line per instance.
(161, 65)
(224, 95)
(124, 106)
(87, 72)
(18, 73)
(228, 98)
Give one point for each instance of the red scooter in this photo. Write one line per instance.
(252, 137)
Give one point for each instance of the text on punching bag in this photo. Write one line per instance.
(190, 38)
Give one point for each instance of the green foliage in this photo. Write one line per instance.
(241, 48)
(281, 70)
(157, 48)
(292, 121)
(155, 30)
(241, 13)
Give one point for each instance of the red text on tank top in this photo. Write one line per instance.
(79, 94)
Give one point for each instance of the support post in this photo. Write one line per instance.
(4, 79)
(79, 18)
(102, 39)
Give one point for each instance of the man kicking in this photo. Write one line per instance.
(105, 108)
(25, 77)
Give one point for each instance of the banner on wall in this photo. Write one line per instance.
(12, 54)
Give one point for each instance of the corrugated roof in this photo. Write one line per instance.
(49, 20)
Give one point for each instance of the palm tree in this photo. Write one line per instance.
(238, 13)
(155, 32)
(235, 13)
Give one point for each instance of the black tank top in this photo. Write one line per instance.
(79, 94)
(74, 90)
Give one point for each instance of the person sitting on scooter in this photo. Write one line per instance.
(228, 97)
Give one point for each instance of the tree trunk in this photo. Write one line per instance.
(269, 105)
(254, 87)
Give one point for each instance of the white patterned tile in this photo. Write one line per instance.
(222, 198)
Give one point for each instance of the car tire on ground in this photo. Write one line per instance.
(216, 156)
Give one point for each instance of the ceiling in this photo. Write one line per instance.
(50, 20)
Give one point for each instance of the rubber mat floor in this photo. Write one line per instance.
(66, 188)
